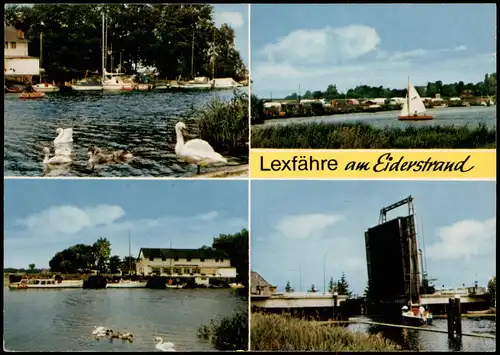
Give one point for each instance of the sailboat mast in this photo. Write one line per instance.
(192, 57)
(102, 45)
(129, 254)
(41, 56)
(408, 96)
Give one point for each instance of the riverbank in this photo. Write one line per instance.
(273, 332)
(320, 135)
(226, 172)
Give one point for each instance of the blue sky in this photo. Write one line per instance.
(347, 45)
(297, 222)
(45, 216)
(236, 16)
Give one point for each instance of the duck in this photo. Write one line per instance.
(64, 135)
(126, 336)
(97, 157)
(56, 159)
(122, 155)
(162, 346)
(195, 151)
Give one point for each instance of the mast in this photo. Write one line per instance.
(192, 57)
(41, 56)
(408, 97)
(102, 45)
(129, 254)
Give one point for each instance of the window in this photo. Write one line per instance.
(202, 260)
(163, 259)
(6, 45)
(188, 259)
(151, 258)
(216, 260)
(13, 45)
(176, 259)
(221, 260)
(178, 271)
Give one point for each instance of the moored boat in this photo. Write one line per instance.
(116, 82)
(46, 283)
(45, 87)
(87, 85)
(413, 107)
(126, 284)
(32, 95)
(176, 286)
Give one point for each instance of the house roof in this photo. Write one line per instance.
(10, 34)
(182, 253)
(257, 280)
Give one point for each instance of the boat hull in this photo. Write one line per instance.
(415, 118)
(413, 321)
(127, 285)
(87, 87)
(117, 87)
(61, 285)
(32, 96)
(175, 286)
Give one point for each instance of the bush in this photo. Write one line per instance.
(319, 135)
(228, 333)
(224, 124)
(273, 332)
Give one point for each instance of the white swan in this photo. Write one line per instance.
(160, 345)
(64, 135)
(195, 151)
(56, 159)
(101, 332)
(63, 148)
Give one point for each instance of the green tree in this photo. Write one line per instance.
(331, 285)
(343, 286)
(236, 247)
(288, 287)
(115, 263)
(31, 267)
(492, 288)
(102, 252)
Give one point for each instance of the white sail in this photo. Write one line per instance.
(416, 103)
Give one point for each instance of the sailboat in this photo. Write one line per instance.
(127, 283)
(413, 107)
(45, 87)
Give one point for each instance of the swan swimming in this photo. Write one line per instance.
(56, 159)
(195, 151)
(160, 345)
(64, 135)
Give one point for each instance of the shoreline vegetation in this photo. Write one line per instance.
(274, 332)
(368, 99)
(227, 333)
(171, 41)
(319, 135)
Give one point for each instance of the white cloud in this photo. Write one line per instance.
(232, 18)
(71, 219)
(460, 48)
(208, 216)
(464, 239)
(312, 46)
(305, 226)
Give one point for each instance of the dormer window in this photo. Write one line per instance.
(176, 259)
(188, 259)
(202, 260)
(151, 258)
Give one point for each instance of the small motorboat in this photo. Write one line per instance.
(45, 87)
(32, 95)
(13, 90)
(416, 316)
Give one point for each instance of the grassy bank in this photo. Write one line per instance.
(224, 124)
(280, 333)
(229, 333)
(317, 135)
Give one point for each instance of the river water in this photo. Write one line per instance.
(63, 320)
(142, 122)
(416, 340)
(473, 115)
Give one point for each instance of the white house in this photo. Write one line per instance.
(200, 264)
(17, 62)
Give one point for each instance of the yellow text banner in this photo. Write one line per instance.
(373, 164)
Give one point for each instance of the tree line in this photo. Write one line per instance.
(82, 258)
(340, 286)
(179, 40)
(487, 87)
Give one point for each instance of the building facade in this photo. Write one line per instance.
(261, 287)
(200, 264)
(17, 62)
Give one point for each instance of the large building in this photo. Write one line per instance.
(200, 264)
(17, 62)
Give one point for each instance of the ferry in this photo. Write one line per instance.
(417, 316)
(46, 283)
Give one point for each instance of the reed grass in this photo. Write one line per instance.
(228, 333)
(224, 124)
(319, 135)
(273, 332)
